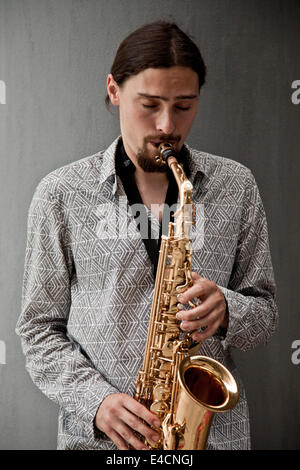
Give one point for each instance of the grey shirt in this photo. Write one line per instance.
(88, 287)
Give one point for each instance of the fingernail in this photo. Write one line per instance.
(179, 315)
(180, 298)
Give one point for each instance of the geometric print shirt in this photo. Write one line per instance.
(88, 287)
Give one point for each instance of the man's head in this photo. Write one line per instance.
(155, 80)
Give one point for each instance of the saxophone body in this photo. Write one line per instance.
(183, 390)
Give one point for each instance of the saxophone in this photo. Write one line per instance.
(183, 390)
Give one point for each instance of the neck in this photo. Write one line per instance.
(153, 189)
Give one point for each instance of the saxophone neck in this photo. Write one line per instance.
(184, 216)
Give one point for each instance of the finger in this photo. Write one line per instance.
(201, 312)
(117, 440)
(214, 299)
(139, 426)
(215, 315)
(205, 334)
(198, 312)
(210, 311)
(200, 289)
(126, 435)
(195, 325)
(142, 412)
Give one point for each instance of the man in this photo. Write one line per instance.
(88, 283)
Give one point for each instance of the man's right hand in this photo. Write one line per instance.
(119, 416)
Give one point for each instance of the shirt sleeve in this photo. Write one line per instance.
(250, 294)
(56, 364)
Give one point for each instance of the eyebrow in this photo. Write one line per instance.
(180, 97)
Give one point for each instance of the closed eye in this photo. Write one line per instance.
(182, 108)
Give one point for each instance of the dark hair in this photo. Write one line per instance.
(156, 45)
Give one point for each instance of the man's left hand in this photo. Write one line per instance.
(211, 312)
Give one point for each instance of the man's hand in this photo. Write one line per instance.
(119, 415)
(211, 313)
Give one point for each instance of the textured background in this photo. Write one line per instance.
(54, 59)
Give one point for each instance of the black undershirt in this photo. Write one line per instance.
(125, 170)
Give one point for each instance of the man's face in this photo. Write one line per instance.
(156, 105)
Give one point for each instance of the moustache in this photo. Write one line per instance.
(158, 139)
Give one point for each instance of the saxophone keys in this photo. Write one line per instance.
(161, 392)
(167, 349)
(164, 370)
(160, 408)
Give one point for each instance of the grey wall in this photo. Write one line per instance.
(54, 58)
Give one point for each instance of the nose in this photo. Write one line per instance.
(165, 122)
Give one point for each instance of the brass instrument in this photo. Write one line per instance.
(184, 391)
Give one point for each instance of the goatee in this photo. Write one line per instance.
(149, 163)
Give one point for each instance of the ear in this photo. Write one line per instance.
(113, 90)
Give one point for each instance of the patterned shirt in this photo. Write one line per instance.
(88, 287)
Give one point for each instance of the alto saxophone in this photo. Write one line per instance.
(183, 390)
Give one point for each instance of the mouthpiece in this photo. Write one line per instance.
(166, 150)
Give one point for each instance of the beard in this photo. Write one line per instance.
(151, 164)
